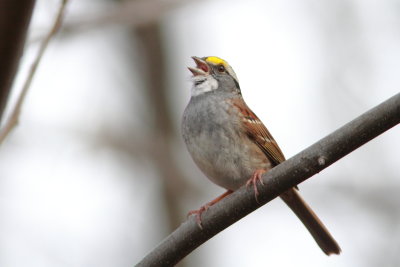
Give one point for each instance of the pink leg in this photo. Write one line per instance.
(257, 176)
(206, 206)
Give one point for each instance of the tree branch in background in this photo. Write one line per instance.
(14, 21)
(295, 170)
(160, 122)
(130, 13)
(156, 90)
(14, 116)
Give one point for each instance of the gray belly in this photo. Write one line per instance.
(220, 149)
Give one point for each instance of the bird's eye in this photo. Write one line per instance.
(221, 68)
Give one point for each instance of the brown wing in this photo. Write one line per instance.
(260, 135)
(258, 132)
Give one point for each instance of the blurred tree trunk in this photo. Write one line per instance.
(14, 21)
(156, 91)
(149, 58)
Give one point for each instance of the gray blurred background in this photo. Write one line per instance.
(96, 173)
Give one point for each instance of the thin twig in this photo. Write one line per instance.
(15, 113)
(188, 236)
(127, 12)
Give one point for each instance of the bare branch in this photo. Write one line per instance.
(14, 21)
(14, 116)
(130, 13)
(295, 170)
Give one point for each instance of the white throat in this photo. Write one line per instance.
(203, 84)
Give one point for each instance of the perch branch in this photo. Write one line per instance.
(295, 170)
(14, 116)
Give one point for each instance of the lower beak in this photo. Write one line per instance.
(202, 67)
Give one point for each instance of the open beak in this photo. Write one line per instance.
(202, 67)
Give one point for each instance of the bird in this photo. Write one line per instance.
(231, 145)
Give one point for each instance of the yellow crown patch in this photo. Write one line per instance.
(216, 61)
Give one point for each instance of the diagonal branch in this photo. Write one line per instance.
(14, 21)
(14, 116)
(188, 236)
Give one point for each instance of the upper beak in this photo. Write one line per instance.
(202, 67)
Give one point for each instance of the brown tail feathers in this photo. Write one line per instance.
(314, 225)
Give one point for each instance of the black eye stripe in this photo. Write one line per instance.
(236, 82)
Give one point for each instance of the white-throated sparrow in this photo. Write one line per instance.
(231, 146)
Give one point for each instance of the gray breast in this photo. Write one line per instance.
(216, 142)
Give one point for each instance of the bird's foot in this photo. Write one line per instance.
(206, 206)
(256, 177)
